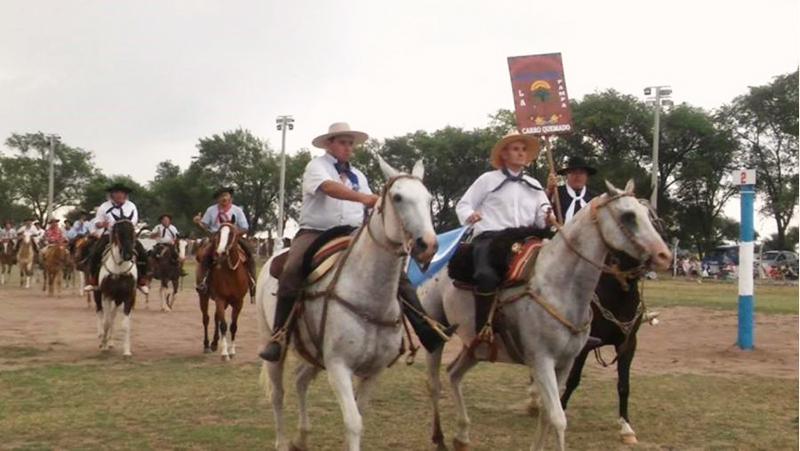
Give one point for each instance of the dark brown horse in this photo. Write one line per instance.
(167, 266)
(228, 285)
(7, 259)
(618, 312)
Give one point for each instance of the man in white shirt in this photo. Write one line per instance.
(165, 232)
(499, 200)
(221, 212)
(8, 236)
(28, 229)
(116, 208)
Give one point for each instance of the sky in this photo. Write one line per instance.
(140, 82)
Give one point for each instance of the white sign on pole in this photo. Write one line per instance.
(744, 177)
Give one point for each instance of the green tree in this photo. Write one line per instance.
(766, 121)
(28, 172)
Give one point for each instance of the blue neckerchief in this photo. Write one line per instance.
(516, 178)
(344, 168)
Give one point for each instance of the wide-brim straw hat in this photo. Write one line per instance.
(338, 129)
(532, 147)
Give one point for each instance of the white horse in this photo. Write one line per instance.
(551, 314)
(117, 285)
(25, 259)
(362, 327)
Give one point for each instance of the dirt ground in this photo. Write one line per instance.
(688, 340)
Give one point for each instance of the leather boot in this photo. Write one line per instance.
(273, 351)
(429, 338)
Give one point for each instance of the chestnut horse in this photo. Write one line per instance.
(228, 284)
(54, 257)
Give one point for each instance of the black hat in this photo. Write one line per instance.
(8, 221)
(163, 215)
(28, 219)
(577, 163)
(118, 187)
(224, 189)
(83, 213)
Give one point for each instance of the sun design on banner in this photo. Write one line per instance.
(540, 90)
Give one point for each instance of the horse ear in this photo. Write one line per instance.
(388, 171)
(233, 219)
(613, 190)
(630, 186)
(130, 218)
(419, 169)
(116, 218)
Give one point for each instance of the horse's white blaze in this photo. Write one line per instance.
(182, 250)
(224, 233)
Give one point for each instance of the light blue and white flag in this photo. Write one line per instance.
(448, 242)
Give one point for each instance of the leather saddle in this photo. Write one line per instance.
(321, 255)
(512, 255)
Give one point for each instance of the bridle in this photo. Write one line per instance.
(398, 248)
(594, 206)
(229, 246)
(115, 240)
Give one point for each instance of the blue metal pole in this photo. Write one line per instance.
(746, 250)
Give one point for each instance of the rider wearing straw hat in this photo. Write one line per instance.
(498, 200)
(334, 194)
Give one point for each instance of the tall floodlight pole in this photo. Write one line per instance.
(51, 181)
(284, 122)
(661, 92)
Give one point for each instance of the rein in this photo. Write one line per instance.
(232, 265)
(109, 249)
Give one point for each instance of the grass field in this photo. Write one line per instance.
(719, 295)
(196, 403)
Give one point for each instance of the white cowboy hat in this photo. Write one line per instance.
(336, 129)
(532, 147)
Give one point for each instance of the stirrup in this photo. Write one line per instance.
(89, 288)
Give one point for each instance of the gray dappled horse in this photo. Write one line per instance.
(549, 315)
(362, 327)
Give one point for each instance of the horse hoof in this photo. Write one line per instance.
(458, 445)
(225, 358)
(295, 447)
(127, 356)
(532, 409)
(440, 446)
(214, 348)
(628, 439)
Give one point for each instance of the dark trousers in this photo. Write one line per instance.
(486, 278)
(291, 281)
(429, 338)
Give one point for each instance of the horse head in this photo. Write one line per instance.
(224, 239)
(182, 250)
(405, 204)
(626, 225)
(123, 236)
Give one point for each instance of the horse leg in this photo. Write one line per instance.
(114, 308)
(574, 377)
(433, 363)
(107, 321)
(304, 374)
(274, 371)
(98, 312)
(624, 360)
(456, 372)
(222, 327)
(552, 415)
(204, 311)
(126, 328)
(340, 378)
(175, 287)
(236, 309)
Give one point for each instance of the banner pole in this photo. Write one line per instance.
(551, 164)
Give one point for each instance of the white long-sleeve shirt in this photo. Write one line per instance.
(110, 212)
(166, 234)
(514, 205)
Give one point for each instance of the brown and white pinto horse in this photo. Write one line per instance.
(117, 278)
(228, 285)
(7, 259)
(54, 257)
